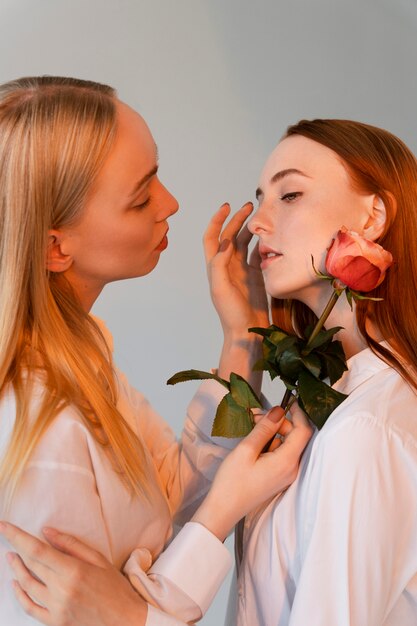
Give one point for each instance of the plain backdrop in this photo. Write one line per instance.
(218, 81)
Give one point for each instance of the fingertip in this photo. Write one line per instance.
(275, 414)
(297, 414)
(248, 205)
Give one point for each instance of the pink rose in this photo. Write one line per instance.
(358, 262)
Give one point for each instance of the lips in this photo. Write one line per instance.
(268, 255)
(163, 243)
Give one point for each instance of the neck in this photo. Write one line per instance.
(341, 315)
(87, 291)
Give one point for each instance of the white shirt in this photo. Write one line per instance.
(339, 546)
(69, 483)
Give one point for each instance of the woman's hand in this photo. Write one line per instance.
(82, 591)
(236, 282)
(247, 478)
(237, 290)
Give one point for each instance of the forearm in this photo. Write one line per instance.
(239, 354)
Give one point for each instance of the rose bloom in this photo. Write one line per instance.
(358, 262)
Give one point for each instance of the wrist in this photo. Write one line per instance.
(239, 354)
(207, 517)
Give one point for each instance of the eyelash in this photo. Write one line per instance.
(143, 205)
(291, 196)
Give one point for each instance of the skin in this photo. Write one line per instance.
(122, 228)
(299, 213)
(120, 235)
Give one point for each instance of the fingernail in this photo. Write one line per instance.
(3, 527)
(275, 414)
(224, 244)
(49, 531)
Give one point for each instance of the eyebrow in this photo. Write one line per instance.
(146, 177)
(279, 176)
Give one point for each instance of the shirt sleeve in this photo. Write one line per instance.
(186, 467)
(57, 489)
(181, 582)
(158, 618)
(186, 576)
(357, 531)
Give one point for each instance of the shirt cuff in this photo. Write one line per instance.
(159, 618)
(197, 562)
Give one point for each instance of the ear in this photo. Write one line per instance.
(377, 218)
(56, 260)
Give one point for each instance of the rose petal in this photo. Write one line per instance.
(358, 262)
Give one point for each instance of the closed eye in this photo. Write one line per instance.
(291, 196)
(143, 205)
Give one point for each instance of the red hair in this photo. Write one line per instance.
(378, 163)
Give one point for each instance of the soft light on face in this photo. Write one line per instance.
(305, 195)
(123, 228)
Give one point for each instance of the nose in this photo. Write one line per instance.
(169, 204)
(260, 222)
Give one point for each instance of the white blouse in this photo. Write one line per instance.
(69, 483)
(339, 546)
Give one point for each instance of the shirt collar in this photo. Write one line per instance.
(361, 367)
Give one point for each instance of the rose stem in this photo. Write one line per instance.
(323, 317)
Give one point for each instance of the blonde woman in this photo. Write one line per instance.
(81, 450)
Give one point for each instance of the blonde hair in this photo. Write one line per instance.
(378, 163)
(55, 134)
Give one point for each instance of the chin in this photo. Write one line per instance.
(278, 292)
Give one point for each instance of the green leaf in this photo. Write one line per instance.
(278, 335)
(260, 365)
(285, 344)
(186, 375)
(242, 392)
(290, 363)
(265, 366)
(231, 419)
(268, 349)
(323, 337)
(290, 384)
(318, 399)
(266, 332)
(333, 361)
(313, 363)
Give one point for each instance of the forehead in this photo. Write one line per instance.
(133, 134)
(310, 157)
(132, 156)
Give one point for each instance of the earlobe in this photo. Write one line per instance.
(56, 260)
(377, 218)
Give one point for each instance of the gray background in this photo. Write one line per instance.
(218, 81)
